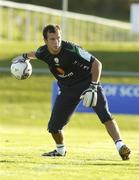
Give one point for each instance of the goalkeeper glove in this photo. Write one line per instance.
(21, 58)
(89, 96)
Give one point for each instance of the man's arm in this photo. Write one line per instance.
(30, 55)
(96, 70)
(24, 57)
(89, 96)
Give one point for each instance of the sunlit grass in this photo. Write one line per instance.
(29, 101)
(91, 154)
(114, 56)
(24, 113)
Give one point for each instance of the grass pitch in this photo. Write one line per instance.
(91, 155)
(24, 112)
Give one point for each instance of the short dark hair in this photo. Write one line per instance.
(50, 29)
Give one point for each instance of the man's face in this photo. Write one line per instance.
(53, 42)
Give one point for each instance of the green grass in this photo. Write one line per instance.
(91, 154)
(114, 47)
(25, 109)
(24, 113)
(114, 56)
(28, 101)
(117, 56)
(22, 97)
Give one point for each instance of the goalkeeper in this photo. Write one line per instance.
(78, 77)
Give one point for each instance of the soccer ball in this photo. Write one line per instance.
(21, 70)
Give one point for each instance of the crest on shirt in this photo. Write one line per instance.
(56, 60)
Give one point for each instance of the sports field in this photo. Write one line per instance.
(24, 112)
(91, 154)
(25, 109)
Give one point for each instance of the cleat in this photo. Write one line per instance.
(124, 152)
(53, 154)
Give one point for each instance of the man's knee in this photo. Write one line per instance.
(107, 121)
(104, 115)
(52, 128)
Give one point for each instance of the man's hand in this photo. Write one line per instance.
(89, 96)
(21, 58)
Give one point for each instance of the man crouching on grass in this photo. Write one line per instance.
(78, 76)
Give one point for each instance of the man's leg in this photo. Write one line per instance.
(62, 110)
(59, 140)
(58, 137)
(114, 132)
(104, 115)
(60, 147)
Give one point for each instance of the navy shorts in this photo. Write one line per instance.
(68, 99)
